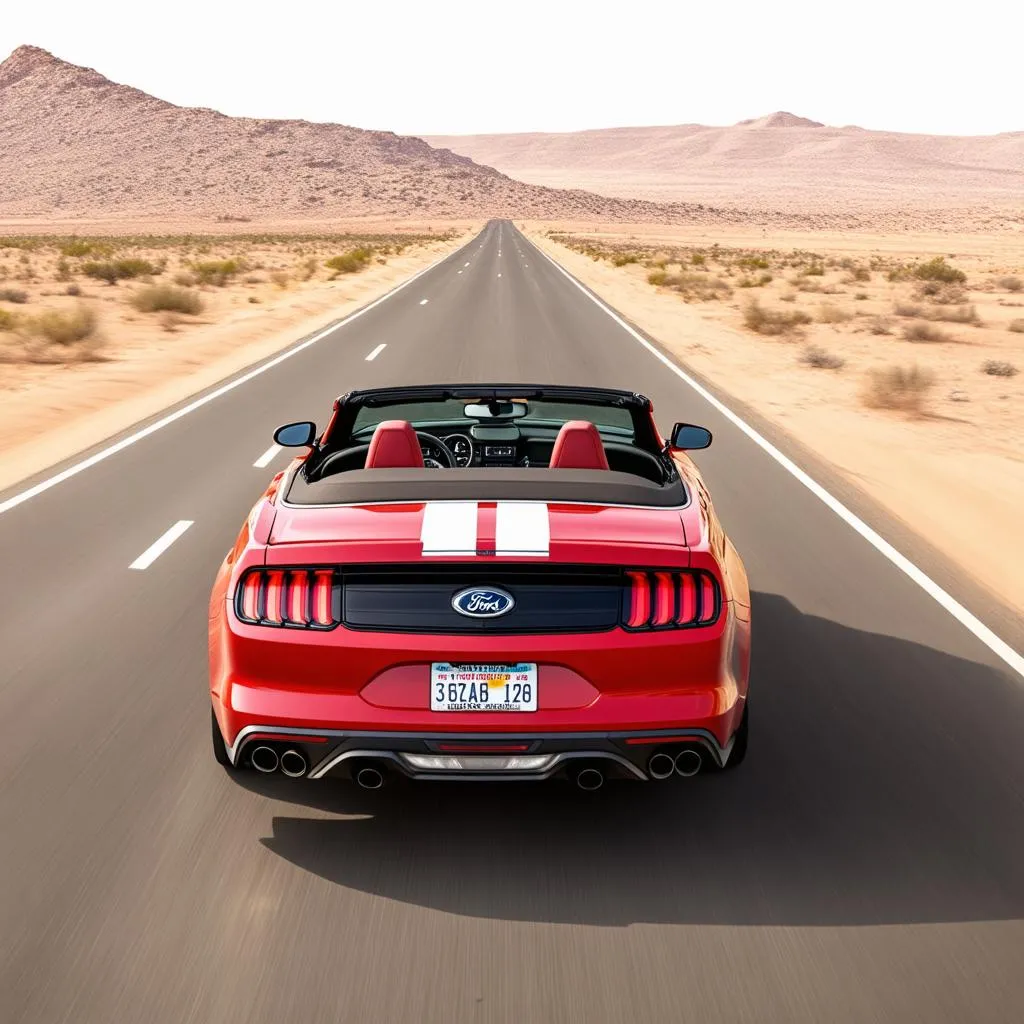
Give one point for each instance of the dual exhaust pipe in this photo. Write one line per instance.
(685, 764)
(292, 762)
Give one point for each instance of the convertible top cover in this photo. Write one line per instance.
(584, 486)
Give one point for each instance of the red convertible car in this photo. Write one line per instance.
(483, 582)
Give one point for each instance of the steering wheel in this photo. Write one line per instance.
(436, 442)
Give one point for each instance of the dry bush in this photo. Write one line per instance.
(308, 267)
(169, 321)
(754, 282)
(8, 320)
(1017, 326)
(925, 332)
(184, 279)
(166, 297)
(773, 321)
(217, 272)
(957, 315)
(941, 293)
(788, 297)
(938, 269)
(880, 325)
(657, 277)
(803, 284)
(1010, 283)
(815, 355)
(73, 289)
(861, 296)
(898, 387)
(907, 309)
(280, 278)
(15, 295)
(829, 313)
(999, 368)
(350, 262)
(124, 269)
(622, 259)
(58, 337)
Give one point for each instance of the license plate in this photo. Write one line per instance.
(483, 687)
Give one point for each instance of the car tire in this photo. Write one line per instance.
(220, 750)
(739, 743)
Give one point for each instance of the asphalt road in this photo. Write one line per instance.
(866, 864)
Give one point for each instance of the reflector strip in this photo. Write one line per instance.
(640, 600)
(664, 599)
(322, 591)
(523, 528)
(449, 528)
(687, 599)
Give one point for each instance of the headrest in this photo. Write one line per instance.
(394, 446)
(578, 446)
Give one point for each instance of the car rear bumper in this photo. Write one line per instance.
(480, 757)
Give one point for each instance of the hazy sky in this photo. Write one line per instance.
(452, 66)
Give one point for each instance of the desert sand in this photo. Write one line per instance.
(953, 469)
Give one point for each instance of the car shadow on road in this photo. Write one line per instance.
(883, 785)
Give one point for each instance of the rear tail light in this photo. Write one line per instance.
(308, 598)
(670, 600)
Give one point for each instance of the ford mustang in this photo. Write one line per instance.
(483, 582)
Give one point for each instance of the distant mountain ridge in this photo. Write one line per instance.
(75, 144)
(780, 160)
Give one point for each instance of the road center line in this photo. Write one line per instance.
(267, 457)
(158, 547)
(969, 621)
(377, 351)
(423, 302)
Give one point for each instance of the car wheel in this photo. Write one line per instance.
(739, 743)
(220, 751)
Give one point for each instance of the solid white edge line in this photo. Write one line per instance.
(969, 621)
(198, 403)
(159, 546)
(376, 352)
(267, 457)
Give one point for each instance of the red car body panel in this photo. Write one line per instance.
(611, 681)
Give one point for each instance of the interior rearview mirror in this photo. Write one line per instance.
(495, 410)
(689, 438)
(295, 435)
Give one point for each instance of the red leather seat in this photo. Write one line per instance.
(578, 446)
(394, 446)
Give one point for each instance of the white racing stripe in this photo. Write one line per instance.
(449, 528)
(522, 528)
(970, 622)
(158, 547)
(267, 457)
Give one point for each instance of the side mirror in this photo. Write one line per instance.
(689, 438)
(296, 435)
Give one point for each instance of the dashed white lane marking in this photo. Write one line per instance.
(466, 264)
(105, 453)
(499, 275)
(267, 457)
(999, 647)
(458, 271)
(377, 351)
(158, 547)
(423, 302)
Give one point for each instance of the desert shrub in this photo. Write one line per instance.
(813, 270)
(907, 309)
(62, 328)
(860, 296)
(307, 268)
(925, 332)
(280, 278)
(15, 295)
(184, 279)
(622, 259)
(157, 297)
(815, 355)
(898, 387)
(698, 259)
(657, 277)
(350, 262)
(1010, 284)
(880, 325)
(73, 289)
(753, 263)
(79, 247)
(216, 272)
(754, 282)
(803, 284)
(957, 315)
(829, 313)
(698, 287)
(8, 320)
(940, 292)
(113, 271)
(788, 297)
(938, 269)
(1017, 326)
(858, 274)
(773, 321)
(999, 368)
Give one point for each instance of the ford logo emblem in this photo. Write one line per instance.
(483, 602)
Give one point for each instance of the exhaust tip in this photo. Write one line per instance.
(370, 778)
(590, 779)
(293, 764)
(264, 759)
(688, 763)
(661, 766)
